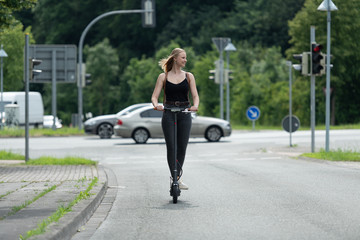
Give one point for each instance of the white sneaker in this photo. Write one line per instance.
(182, 185)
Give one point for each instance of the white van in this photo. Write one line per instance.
(36, 107)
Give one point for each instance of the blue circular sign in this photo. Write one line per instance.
(253, 113)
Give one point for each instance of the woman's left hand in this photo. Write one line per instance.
(193, 109)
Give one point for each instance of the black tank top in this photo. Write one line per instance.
(177, 92)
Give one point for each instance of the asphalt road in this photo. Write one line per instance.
(247, 186)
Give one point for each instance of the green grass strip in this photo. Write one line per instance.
(64, 131)
(46, 160)
(8, 155)
(338, 155)
(9, 192)
(40, 132)
(60, 212)
(28, 202)
(61, 161)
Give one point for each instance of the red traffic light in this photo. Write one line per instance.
(317, 48)
(316, 57)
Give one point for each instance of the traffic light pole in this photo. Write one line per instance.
(26, 75)
(81, 45)
(312, 94)
(53, 88)
(289, 63)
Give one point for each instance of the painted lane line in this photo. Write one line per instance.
(245, 159)
(270, 158)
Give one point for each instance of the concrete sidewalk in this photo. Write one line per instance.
(21, 186)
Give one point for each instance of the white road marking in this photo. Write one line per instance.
(199, 158)
(270, 158)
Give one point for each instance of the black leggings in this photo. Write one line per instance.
(183, 134)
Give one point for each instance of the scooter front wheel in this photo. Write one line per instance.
(175, 192)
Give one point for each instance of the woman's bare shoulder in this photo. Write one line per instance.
(162, 76)
(191, 76)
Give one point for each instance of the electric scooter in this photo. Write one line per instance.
(174, 186)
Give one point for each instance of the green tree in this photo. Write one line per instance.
(262, 81)
(208, 90)
(345, 75)
(63, 22)
(141, 74)
(13, 40)
(259, 75)
(261, 21)
(7, 8)
(102, 63)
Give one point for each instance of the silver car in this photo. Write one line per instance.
(145, 123)
(48, 122)
(104, 125)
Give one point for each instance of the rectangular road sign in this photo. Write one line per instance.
(60, 57)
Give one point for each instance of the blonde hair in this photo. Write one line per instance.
(167, 63)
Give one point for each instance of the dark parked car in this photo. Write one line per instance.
(145, 123)
(104, 125)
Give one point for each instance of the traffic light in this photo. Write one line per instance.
(303, 67)
(88, 79)
(148, 18)
(316, 59)
(228, 75)
(323, 63)
(32, 71)
(215, 76)
(216, 72)
(85, 77)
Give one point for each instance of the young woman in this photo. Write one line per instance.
(176, 84)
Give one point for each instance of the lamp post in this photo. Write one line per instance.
(2, 55)
(229, 48)
(148, 21)
(327, 5)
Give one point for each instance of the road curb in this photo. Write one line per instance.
(11, 162)
(69, 224)
(101, 213)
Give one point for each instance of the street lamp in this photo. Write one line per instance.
(2, 54)
(229, 48)
(327, 5)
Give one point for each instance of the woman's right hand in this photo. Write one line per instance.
(159, 108)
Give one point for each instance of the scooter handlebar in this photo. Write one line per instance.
(176, 109)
